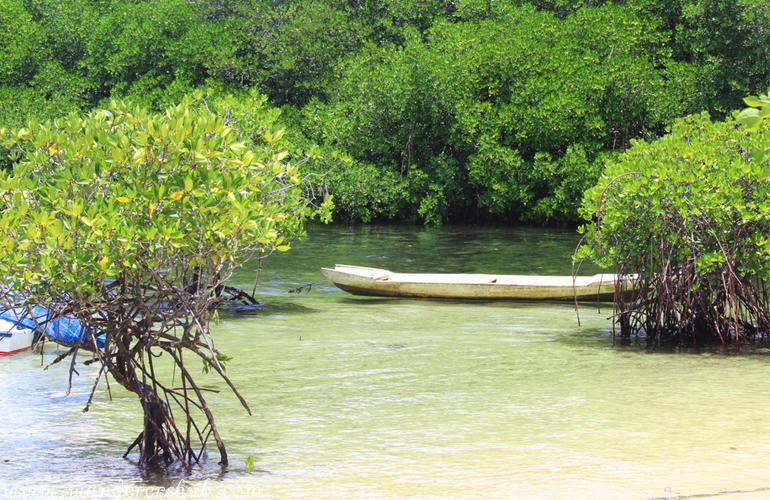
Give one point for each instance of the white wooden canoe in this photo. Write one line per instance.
(370, 281)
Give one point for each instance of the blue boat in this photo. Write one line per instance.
(23, 323)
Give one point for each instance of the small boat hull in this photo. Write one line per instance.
(380, 282)
(13, 339)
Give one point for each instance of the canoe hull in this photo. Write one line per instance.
(379, 282)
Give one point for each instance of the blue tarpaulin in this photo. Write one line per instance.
(63, 330)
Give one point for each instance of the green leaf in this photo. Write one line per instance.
(760, 155)
(750, 123)
(754, 101)
(238, 147)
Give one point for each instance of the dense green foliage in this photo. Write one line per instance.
(690, 215)
(696, 184)
(130, 189)
(465, 110)
(512, 118)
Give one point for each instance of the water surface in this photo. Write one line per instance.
(356, 397)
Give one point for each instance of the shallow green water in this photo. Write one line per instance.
(385, 398)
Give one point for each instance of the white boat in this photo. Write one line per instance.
(380, 282)
(14, 339)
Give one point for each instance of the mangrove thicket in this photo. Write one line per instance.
(689, 214)
(130, 222)
(472, 110)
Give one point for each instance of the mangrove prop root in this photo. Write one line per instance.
(677, 303)
(139, 323)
